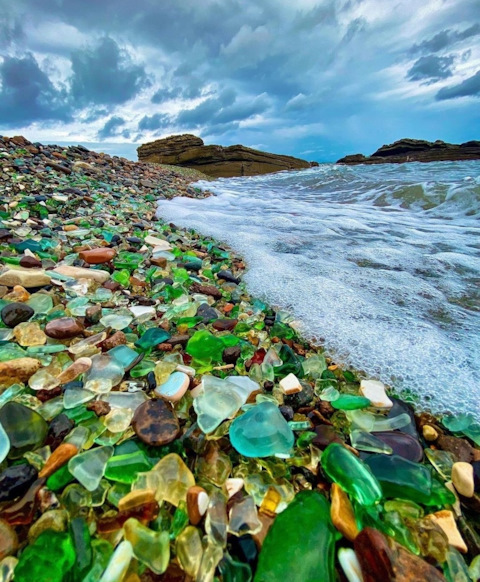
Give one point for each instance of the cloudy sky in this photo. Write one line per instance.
(312, 78)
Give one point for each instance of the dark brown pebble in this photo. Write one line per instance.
(224, 324)
(28, 262)
(206, 290)
(63, 328)
(155, 423)
(99, 407)
(460, 448)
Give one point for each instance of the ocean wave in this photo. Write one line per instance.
(380, 262)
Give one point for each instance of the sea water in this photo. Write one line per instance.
(379, 263)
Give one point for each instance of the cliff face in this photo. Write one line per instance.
(216, 161)
(417, 150)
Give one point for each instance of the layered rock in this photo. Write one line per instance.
(216, 161)
(417, 150)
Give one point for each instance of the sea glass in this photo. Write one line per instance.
(300, 545)
(151, 548)
(261, 431)
(350, 402)
(353, 475)
(189, 550)
(119, 563)
(403, 479)
(104, 374)
(26, 429)
(151, 338)
(218, 401)
(49, 559)
(89, 467)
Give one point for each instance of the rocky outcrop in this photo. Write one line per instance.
(417, 150)
(216, 161)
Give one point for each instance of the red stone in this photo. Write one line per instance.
(97, 256)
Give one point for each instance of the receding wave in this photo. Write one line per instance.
(382, 263)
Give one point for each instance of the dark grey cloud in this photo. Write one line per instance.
(153, 122)
(444, 39)
(431, 68)
(11, 31)
(111, 127)
(28, 95)
(206, 111)
(164, 94)
(468, 88)
(105, 75)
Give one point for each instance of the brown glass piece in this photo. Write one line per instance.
(145, 513)
(22, 511)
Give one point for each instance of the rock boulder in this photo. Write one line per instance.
(216, 161)
(417, 150)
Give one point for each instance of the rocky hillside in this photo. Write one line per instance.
(216, 161)
(417, 150)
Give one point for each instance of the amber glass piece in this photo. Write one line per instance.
(145, 513)
(58, 458)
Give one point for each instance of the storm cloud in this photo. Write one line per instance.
(431, 68)
(327, 77)
(467, 88)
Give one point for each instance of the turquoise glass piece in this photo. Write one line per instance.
(151, 338)
(457, 423)
(261, 431)
(89, 467)
(352, 474)
(123, 355)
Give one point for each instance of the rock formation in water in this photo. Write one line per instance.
(417, 150)
(217, 161)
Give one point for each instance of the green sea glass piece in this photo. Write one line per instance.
(151, 338)
(261, 431)
(83, 547)
(89, 467)
(205, 347)
(49, 559)
(352, 474)
(403, 479)
(350, 402)
(125, 468)
(151, 548)
(26, 429)
(300, 545)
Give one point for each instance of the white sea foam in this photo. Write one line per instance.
(380, 262)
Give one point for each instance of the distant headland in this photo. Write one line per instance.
(217, 161)
(417, 150)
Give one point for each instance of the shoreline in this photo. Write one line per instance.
(101, 199)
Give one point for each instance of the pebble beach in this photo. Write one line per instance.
(158, 423)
